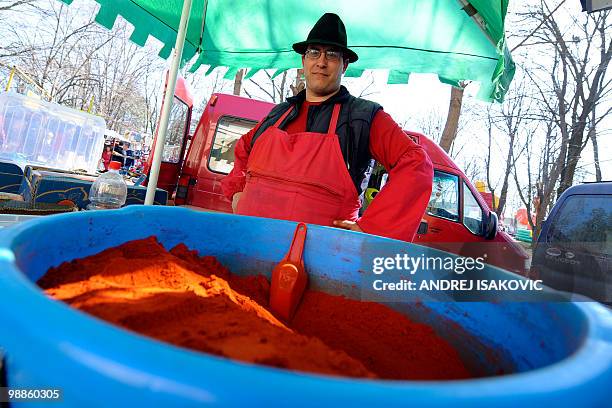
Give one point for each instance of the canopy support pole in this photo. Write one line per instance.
(167, 105)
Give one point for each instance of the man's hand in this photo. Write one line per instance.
(348, 225)
(235, 200)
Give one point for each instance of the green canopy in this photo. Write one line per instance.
(456, 39)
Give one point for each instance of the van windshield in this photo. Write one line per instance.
(585, 220)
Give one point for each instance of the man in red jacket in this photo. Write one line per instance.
(308, 160)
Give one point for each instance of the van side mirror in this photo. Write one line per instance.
(490, 226)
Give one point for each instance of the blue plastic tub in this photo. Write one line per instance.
(555, 353)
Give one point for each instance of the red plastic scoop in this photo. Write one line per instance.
(289, 278)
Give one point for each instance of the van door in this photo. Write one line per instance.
(454, 221)
(218, 161)
(575, 255)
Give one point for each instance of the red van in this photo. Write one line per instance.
(176, 138)
(457, 218)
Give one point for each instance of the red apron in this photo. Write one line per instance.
(299, 177)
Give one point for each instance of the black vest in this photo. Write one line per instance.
(353, 128)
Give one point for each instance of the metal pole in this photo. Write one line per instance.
(10, 80)
(167, 106)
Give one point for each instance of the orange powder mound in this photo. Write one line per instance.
(144, 288)
(385, 341)
(193, 301)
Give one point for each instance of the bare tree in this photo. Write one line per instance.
(575, 83)
(238, 81)
(472, 169)
(12, 13)
(510, 122)
(121, 68)
(152, 95)
(452, 120)
(300, 83)
(208, 85)
(367, 89)
(275, 89)
(432, 124)
(74, 60)
(11, 5)
(593, 136)
(538, 192)
(464, 135)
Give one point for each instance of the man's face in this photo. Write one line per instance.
(323, 73)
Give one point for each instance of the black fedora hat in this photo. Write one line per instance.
(329, 30)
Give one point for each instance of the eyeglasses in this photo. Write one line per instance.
(330, 55)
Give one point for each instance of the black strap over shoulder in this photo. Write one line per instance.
(353, 128)
(273, 116)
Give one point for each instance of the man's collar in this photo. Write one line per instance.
(340, 97)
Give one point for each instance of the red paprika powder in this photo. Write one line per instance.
(193, 301)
